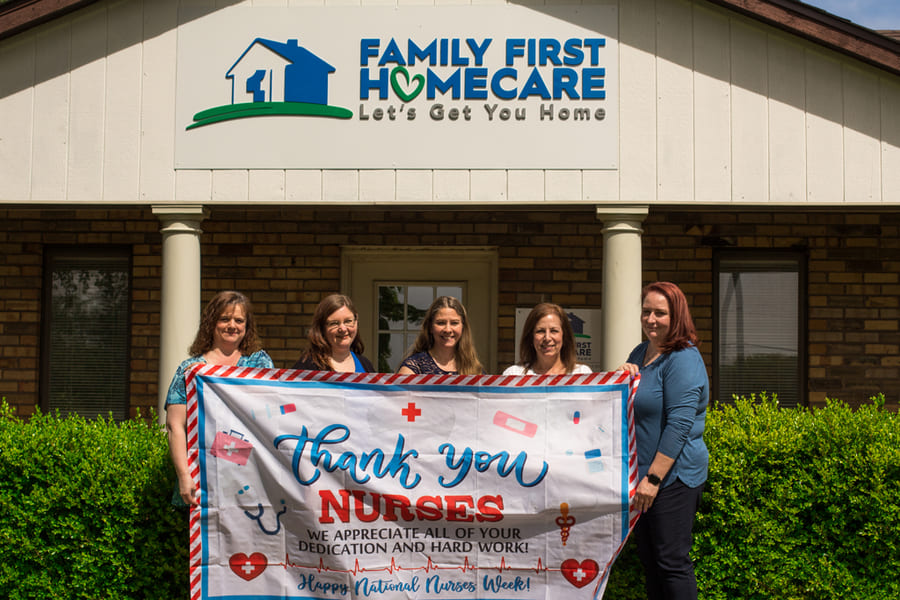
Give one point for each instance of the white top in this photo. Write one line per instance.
(519, 370)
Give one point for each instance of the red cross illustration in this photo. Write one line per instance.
(411, 412)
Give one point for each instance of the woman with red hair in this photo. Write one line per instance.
(669, 415)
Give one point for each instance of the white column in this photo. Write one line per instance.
(179, 314)
(622, 281)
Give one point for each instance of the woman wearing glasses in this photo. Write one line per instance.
(333, 343)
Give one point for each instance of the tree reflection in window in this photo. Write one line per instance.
(86, 337)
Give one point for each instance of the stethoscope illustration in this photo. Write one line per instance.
(258, 518)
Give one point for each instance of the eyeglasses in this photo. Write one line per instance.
(346, 323)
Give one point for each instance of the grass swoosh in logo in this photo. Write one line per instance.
(267, 109)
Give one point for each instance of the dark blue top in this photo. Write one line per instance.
(421, 363)
(670, 413)
(361, 364)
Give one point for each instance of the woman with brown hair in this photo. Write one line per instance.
(333, 341)
(226, 336)
(547, 346)
(444, 345)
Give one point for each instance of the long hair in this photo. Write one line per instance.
(215, 308)
(527, 353)
(682, 332)
(466, 358)
(319, 349)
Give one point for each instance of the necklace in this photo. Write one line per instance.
(557, 368)
(445, 364)
(651, 355)
(342, 365)
(216, 357)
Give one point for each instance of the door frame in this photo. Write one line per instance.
(362, 267)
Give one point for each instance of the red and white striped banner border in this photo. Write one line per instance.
(601, 378)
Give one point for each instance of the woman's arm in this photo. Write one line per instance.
(176, 426)
(684, 380)
(646, 491)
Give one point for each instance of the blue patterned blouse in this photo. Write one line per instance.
(177, 392)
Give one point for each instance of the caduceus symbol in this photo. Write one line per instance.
(565, 522)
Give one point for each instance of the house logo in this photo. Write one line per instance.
(577, 325)
(583, 346)
(273, 78)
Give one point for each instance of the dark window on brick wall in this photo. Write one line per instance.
(85, 331)
(759, 318)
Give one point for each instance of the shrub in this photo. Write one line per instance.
(85, 510)
(799, 504)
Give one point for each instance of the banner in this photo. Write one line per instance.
(343, 485)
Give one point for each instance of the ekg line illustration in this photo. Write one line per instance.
(430, 566)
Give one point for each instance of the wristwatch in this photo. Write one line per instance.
(653, 479)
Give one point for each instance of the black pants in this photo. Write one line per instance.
(664, 538)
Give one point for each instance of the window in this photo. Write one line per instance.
(401, 309)
(393, 287)
(759, 325)
(85, 338)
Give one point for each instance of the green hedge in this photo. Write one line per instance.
(85, 511)
(800, 504)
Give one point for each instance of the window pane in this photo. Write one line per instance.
(420, 298)
(390, 352)
(450, 290)
(758, 329)
(390, 307)
(87, 357)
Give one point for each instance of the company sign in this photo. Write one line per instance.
(399, 87)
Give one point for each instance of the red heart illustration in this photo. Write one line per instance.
(581, 573)
(248, 567)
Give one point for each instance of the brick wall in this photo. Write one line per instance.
(853, 318)
(287, 259)
(23, 236)
(292, 259)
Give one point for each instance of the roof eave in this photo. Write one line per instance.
(792, 16)
(822, 28)
(16, 17)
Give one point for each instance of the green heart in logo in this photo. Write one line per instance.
(418, 80)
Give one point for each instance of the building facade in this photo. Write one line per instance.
(154, 153)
